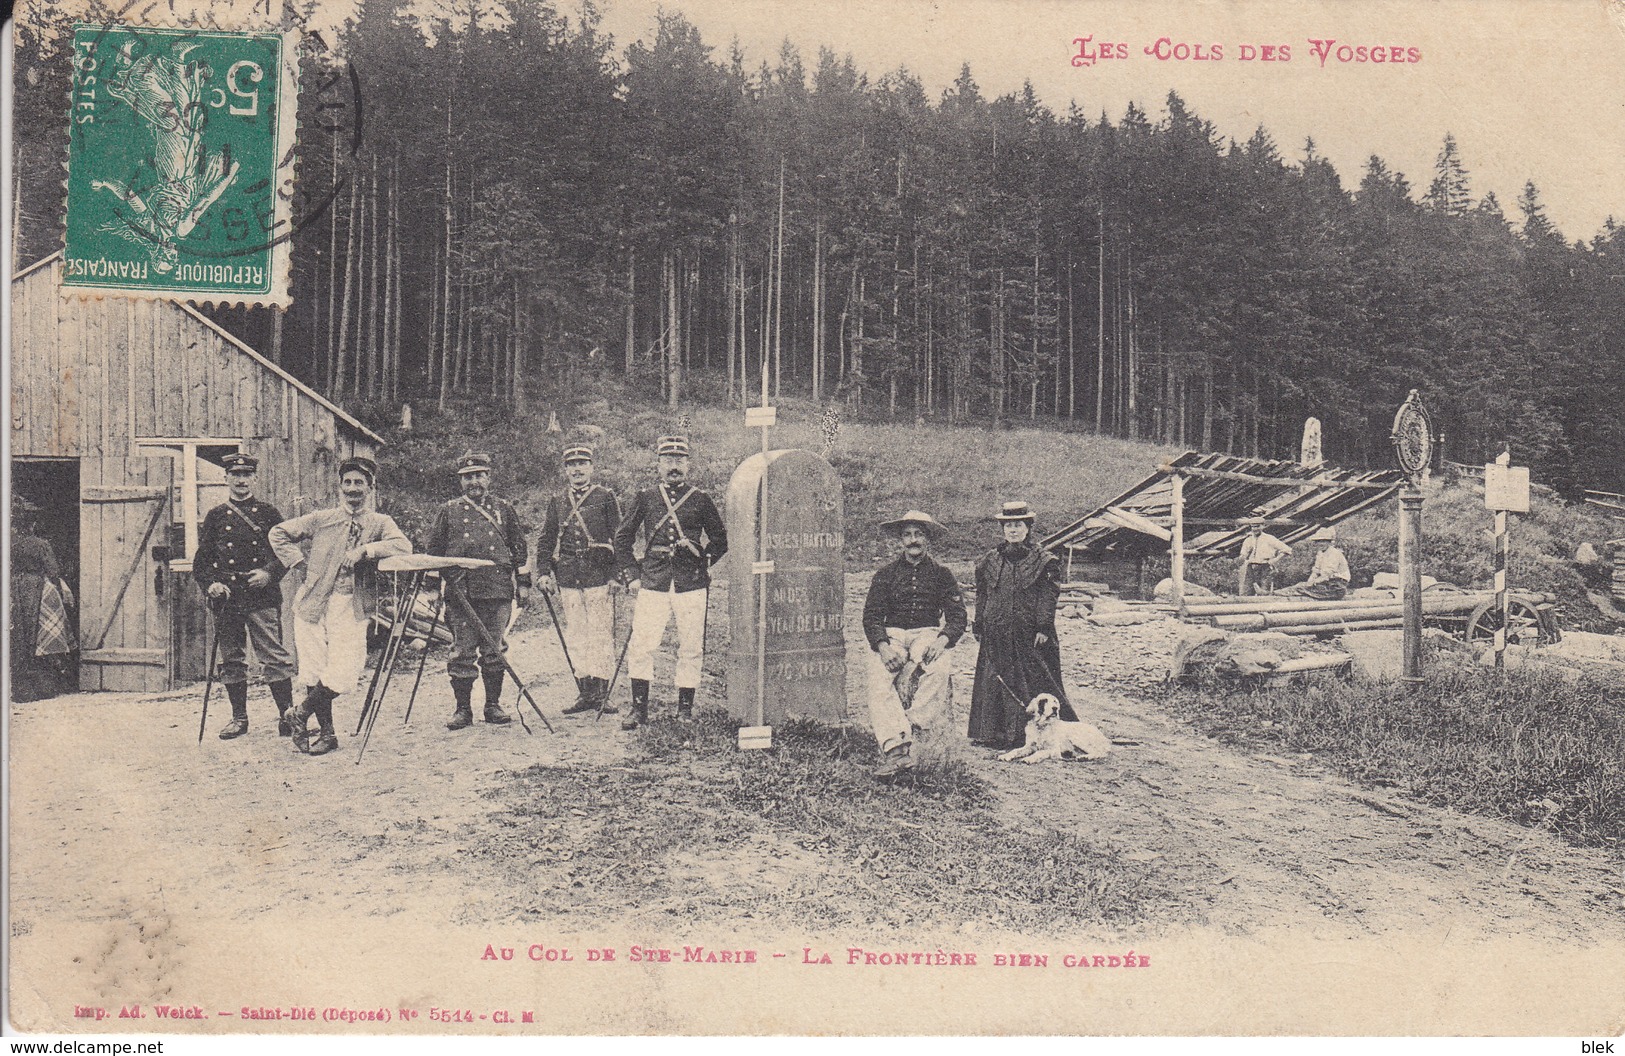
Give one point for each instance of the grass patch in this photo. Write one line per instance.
(800, 836)
(1533, 747)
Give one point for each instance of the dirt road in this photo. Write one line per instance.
(124, 827)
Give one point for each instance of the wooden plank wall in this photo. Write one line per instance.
(88, 376)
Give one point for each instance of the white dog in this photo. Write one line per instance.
(1050, 737)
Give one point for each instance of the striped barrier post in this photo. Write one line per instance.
(1501, 589)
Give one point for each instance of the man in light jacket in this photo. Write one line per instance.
(339, 549)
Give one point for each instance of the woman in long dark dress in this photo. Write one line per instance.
(1017, 584)
(42, 611)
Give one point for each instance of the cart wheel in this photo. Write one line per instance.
(1524, 625)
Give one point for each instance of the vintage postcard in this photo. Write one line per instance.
(977, 517)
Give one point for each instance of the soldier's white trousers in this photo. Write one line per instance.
(332, 652)
(892, 724)
(654, 609)
(589, 630)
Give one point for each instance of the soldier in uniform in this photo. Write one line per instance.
(577, 549)
(478, 524)
(237, 569)
(684, 538)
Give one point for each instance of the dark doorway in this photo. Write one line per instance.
(51, 485)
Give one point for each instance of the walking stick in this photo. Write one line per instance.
(548, 598)
(460, 599)
(615, 677)
(208, 687)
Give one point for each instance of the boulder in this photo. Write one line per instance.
(1378, 655)
(1586, 554)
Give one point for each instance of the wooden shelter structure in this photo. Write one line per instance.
(1194, 506)
(121, 410)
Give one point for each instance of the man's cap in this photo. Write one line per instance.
(577, 453)
(361, 462)
(1324, 535)
(924, 520)
(474, 462)
(1015, 511)
(240, 463)
(1251, 522)
(672, 445)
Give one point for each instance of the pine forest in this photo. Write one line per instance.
(498, 204)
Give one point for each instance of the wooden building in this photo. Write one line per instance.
(121, 411)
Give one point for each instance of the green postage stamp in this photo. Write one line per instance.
(181, 163)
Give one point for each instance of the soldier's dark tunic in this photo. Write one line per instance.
(577, 544)
(231, 544)
(667, 562)
(675, 570)
(490, 530)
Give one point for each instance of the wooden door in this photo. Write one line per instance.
(123, 622)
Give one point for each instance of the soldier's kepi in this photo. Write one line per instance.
(577, 551)
(684, 538)
(237, 569)
(478, 524)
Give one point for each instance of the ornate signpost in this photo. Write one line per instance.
(1413, 449)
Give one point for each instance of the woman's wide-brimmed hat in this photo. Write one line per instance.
(924, 520)
(1015, 511)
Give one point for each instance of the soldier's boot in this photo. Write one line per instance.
(584, 697)
(640, 705)
(685, 705)
(463, 690)
(299, 718)
(327, 740)
(237, 693)
(899, 760)
(282, 693)
(493, 698)
(600, 697)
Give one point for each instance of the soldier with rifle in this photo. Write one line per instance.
(237, 569)
(577, 551)
(684, 537)
(478, 524)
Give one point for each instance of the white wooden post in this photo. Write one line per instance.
(1176, 541)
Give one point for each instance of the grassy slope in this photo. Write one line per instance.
(1529, 746)
(959, 475)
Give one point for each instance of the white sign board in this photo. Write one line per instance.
(1506, 488)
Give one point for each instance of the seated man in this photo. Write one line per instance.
(1329, 576)
(913, 617)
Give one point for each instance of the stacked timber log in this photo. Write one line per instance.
(421, 617)
(1084, 593)
(1619, 572)
(1292, 615)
